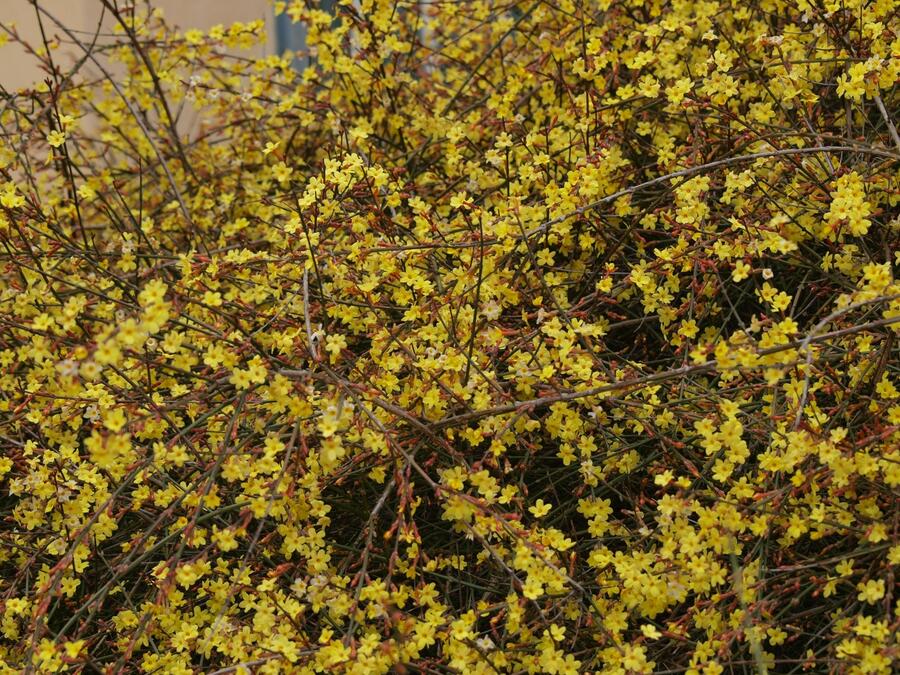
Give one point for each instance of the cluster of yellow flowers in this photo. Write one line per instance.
(517, 337)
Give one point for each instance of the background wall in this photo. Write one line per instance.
(18, 69)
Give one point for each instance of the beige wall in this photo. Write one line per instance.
(18, 69)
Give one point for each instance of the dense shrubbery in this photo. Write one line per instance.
(505, 337)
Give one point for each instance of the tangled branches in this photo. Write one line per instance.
(500, 337)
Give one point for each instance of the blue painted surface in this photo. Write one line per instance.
(292, 36)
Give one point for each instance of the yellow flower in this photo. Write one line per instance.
(56, 138)
(540, 509)
(871, 591)
(282, 172)
(741, 271)
(194, 36)
(650, 631)
(334, 345)
(676, 92)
